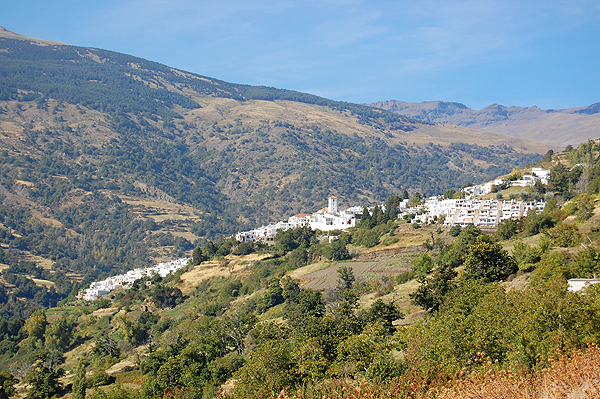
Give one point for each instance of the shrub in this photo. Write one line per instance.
(507, 229)
(565, 235)
(489, 261)
(455, 230)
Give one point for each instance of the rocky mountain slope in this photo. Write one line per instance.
(558, 127)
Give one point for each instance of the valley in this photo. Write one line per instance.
(110, 163)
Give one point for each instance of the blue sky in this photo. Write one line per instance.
(522, 53)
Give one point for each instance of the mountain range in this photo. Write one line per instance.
(110, 161)
(557, 127)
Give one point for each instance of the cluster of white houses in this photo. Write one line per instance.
(528, 179)
(326, 219)
(471, 210)
(104, 287)
(481, 213)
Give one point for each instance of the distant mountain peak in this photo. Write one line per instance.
(556, 127)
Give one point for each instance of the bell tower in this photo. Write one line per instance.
(332, 205)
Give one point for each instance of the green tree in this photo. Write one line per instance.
(358, 352)
(526, 256)
(297, 258)
(290, 289)
(449, 193)
(301, 237)
(43, 377)
(547, 157)
(58, 335)
(35, 325)
(310, 303)
(432, 291)
(507, 229)
(366, 237)
(198, 256)
(7, 383)
(391, 207)
(455, 230)
(415, 201)
(489, 261)
(273, 296)
(133, 331)
(338, 250)
(366, 221)
(385, 313)
(586, 263)
(565, 235)
(267, 371)
(346, 278)
(378, 216)
(106, 346)
(164, 296)
(423, 264)
(468, 236)
(79, 382)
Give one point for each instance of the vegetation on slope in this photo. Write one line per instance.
(110, 162)
(492, 305)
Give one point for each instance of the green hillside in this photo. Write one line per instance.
(110, 162)
(388, 310)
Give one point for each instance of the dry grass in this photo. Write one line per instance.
(576, 376)
(313, 267)
(569, 377)
(43, 283)
(224, 267)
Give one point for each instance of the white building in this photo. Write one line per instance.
(104, 287)
(577, 284)
(326, 219)
(481, 213)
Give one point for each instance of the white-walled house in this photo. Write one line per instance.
(326, 219)
(577, 284)
(104, 287)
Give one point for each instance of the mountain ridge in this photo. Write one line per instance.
(124, 161)
(559, 127)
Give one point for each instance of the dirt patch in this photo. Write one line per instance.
(386, 253)
(105, 312)
(326, 278)
(43, 283)
(214, 268)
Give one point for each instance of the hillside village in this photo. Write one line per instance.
(104, 287)
(436, 209)
(449, 212)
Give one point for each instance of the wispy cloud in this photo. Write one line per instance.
(333, 46)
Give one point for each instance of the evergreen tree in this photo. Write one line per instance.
(7, 382)
(391, 207)
(79, 382)
(43, 377)
(366, 220)
(345, 278)
(377, 217)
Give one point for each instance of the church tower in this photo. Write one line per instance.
(332, 206)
